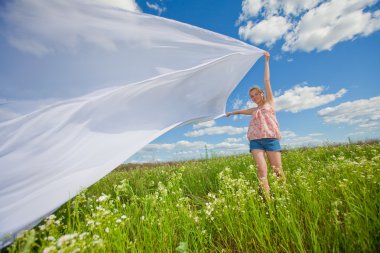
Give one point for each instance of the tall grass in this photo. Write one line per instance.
(329, 203)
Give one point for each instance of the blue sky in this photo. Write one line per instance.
(324, 62)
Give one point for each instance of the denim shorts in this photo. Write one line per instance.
(266, 144)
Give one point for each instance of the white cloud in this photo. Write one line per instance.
(267, 31)
(291, 139)
(233, 140)
(307, 25)
(182, 150)
(300, 98)
(230, 130)
(236, 104)
(231, 146)
(194, 150)
(277, 92)
(357, 133)
(287, 134)
(187, 147)
(190, 145)
(155, 146)
(180, 145)
(156, 7)
(295, 7)
(315, 134)
(250, 8)
(209, 123)
(250, 104)
(332, 22)
(365, 113)
(277, 57)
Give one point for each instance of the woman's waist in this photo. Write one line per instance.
(256, 136)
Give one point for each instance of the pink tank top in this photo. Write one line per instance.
(263, 123)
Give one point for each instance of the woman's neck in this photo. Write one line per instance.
(261, 103)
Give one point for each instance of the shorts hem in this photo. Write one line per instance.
(265, 144)
(251, 149)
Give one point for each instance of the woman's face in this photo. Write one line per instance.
(256, 96)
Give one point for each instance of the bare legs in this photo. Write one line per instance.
(262, 171)
(275, 162)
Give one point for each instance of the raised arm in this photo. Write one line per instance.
(268, 88)
(245, 112)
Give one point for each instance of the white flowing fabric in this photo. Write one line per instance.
(95, 85)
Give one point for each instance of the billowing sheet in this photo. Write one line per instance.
(85, 86)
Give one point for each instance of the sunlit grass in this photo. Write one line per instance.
(329, 203)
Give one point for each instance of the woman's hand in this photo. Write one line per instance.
(267, 55)
(228, 114)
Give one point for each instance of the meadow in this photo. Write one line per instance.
(330, 202)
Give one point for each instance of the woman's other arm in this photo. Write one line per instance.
(268, 88)
(245, 112)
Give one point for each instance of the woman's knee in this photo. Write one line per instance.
(276, 167)
(279, 171)
(259, 157)
(262, 172)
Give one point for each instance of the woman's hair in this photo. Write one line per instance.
(256, 88)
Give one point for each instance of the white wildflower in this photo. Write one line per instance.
(49, 249)
(51, 238)
(81, 236)
(65, 238)
(51, 217)
(102, 198)
(97, 242)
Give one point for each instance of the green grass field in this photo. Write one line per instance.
(329, 203)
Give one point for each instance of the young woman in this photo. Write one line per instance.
(263, 132)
